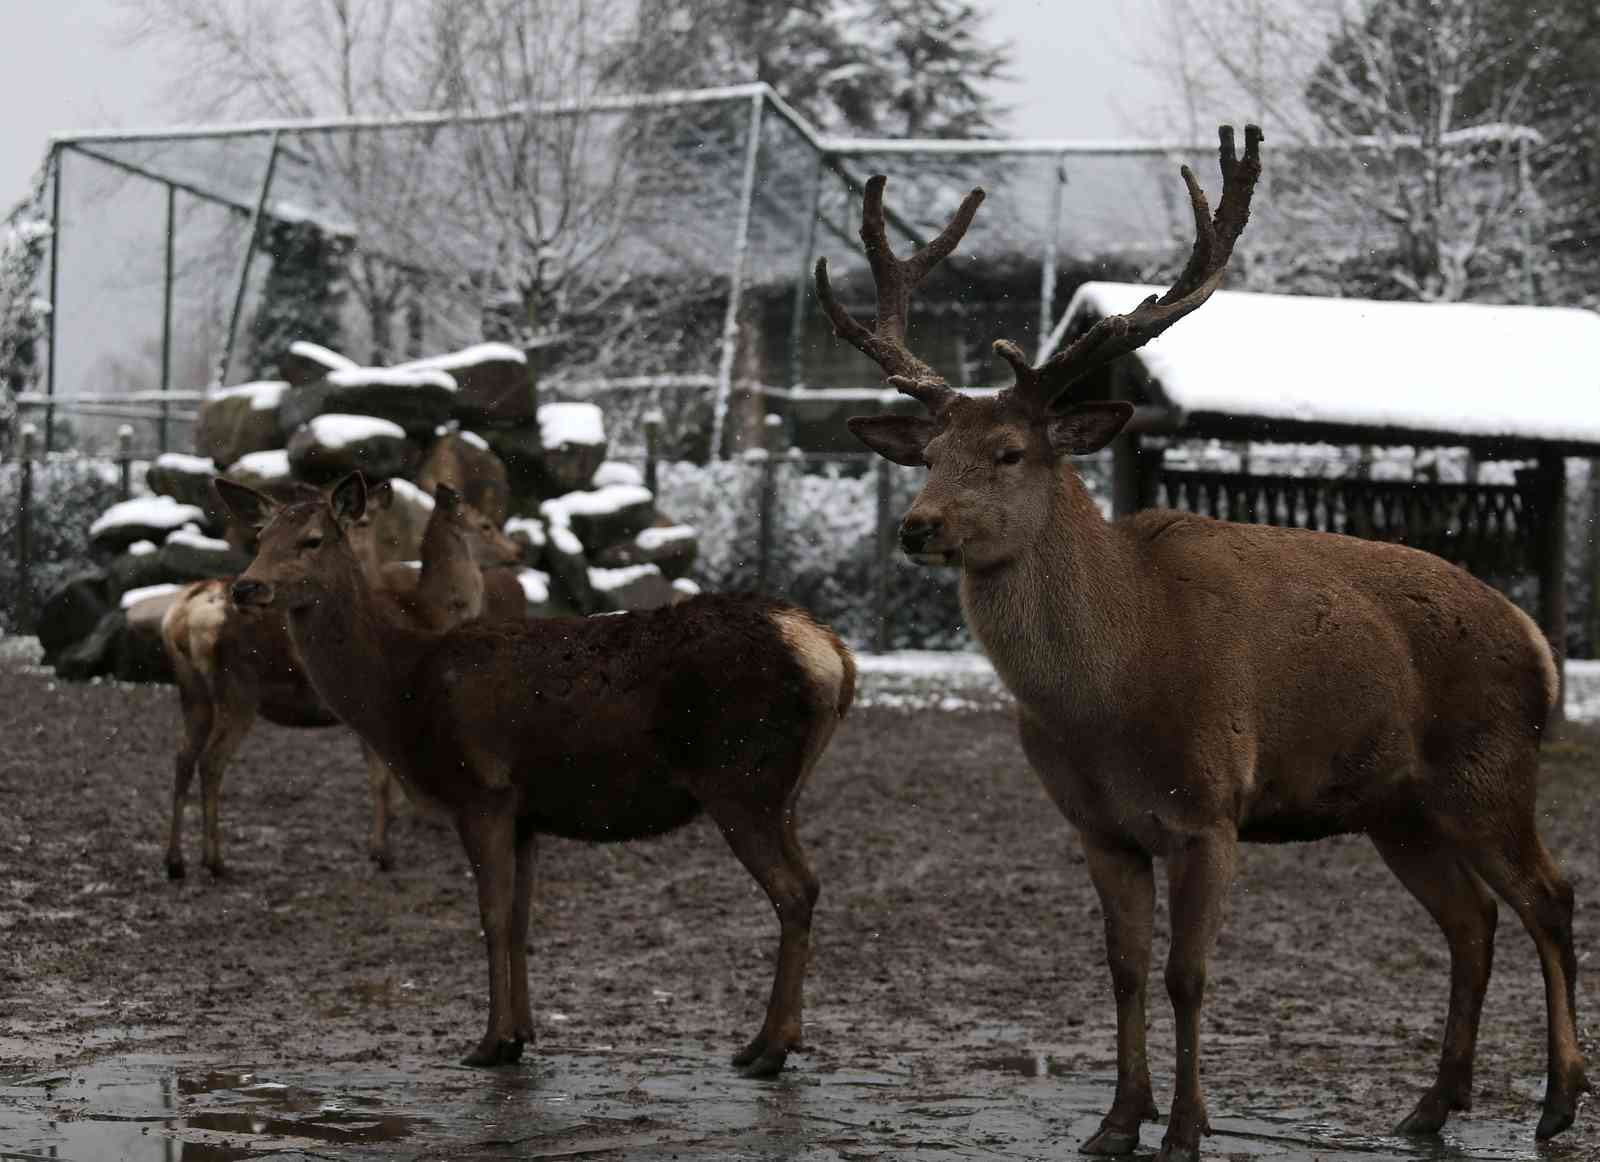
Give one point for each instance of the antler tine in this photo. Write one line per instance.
(895, 278)
(1214, 239)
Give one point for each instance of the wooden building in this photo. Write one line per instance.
(1506, 383)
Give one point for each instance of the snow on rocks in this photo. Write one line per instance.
(186, 479)
(308, 362)
(332, 445)
(191, 536)
(417, 401)
(235, 421)
(631, 588)
(492, 379)
(617, 472)
(572, 440)
(671, 548)
(145, 518)
(134, 596)
(602, 516)
(259, 468)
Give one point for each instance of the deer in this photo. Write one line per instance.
(232, 665)
(1184, 685)
(598, 729)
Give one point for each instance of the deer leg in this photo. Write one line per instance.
(763, 838)
(379, 784)
(490, 841)
(1465, 911)
(521, 907)
(197, 712)
(231, 721)
(1520, 869)
(1199, 873)
(1125, 881)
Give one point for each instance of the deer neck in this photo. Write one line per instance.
(1059, 621)
(360, 660)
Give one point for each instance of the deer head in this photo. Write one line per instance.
(298, 542)
(994, 463)
(485, 542)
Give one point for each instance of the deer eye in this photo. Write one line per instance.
(1009, 456)
(314, 541)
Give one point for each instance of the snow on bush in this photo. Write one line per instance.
(68, 493)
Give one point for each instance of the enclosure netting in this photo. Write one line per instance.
(631, 242)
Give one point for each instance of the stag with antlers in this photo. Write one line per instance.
(1185, 684)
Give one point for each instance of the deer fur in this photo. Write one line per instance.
(599, 729)
(232, 665)
(1186, 684)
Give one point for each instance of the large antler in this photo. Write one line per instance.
(1041, 387)
(885, 343)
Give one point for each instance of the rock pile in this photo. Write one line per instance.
(592, 539)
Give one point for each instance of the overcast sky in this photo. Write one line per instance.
(67, 64)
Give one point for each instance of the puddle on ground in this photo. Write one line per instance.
(1005, 1103)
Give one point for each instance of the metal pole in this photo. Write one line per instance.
(55, 262)
(769, 500)
(741, 246)
(30, 441)
(653, 419)
(166, 314)
(802, 287)
(125, 459)
(1047, 274)
(244, 267)
(880, 640)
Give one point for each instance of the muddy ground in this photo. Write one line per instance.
(958, 1006)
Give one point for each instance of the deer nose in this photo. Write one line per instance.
(250, 592)
(917, 533)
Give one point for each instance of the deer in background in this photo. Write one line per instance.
(1184, 684)
(231, 666)
(598, 729)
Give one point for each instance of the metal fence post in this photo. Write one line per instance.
(125, 459)
(769, 500)
(880, 641)
(30, 448)
(653, 419)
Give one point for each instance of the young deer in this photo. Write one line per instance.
(232, 666)
(1184, 684)
(599, 729)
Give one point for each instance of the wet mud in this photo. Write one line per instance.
(308, 1006)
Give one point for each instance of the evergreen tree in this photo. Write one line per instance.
(304, 292)
(878, 68)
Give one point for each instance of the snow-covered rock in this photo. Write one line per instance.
(186, 479)
(529, 532)
(630, 588)
(492, 381)
(671, 548)
(465, 463)
(306, 362)
(144, 518)
(617, 472)
(568, 567)
(418, 401)
(235, 421)
(572, 439)
(602, 517)
(259, 468)
(331, 446)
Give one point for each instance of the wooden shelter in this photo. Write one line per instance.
(1507, 383)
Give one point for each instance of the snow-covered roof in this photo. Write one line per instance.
(1463, 369)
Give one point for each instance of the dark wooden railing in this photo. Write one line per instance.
(1487, 528)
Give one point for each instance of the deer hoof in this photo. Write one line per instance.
(768, 1064)
(493, 1051)
(1427, 1118)
(218, 870)
(1108, 1140)
(176, 870)
(382, 859)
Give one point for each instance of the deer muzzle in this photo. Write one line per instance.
(247, 592)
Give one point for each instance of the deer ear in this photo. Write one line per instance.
(897, 438)
(1087, 427)
(350, 498)
(249, 507)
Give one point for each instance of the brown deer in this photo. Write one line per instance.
(1184, 684)
(231, 666)
(598, 729)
